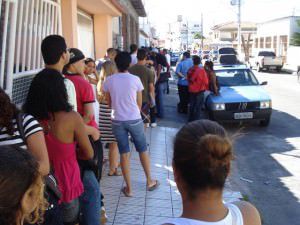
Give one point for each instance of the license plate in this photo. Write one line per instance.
(272, 67)
(241, 116)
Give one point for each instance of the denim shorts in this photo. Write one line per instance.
(135, 128)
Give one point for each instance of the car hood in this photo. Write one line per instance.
(241, 94)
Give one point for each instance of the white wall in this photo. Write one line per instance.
(278, 27)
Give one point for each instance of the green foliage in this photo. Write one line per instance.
(295, 40)
(198, 36)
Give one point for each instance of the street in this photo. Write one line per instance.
(269, 157)
(265, 169)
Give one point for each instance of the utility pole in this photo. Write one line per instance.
(201, 31)
(187, 36)
(239, 27)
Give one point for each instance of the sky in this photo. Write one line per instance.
(162, 12)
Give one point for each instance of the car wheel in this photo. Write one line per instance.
(265, 123)
(278, 69)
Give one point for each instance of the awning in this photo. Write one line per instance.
(139, 7)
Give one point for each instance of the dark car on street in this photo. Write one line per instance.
(241, 97)
(174, 58)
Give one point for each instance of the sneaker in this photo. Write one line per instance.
(153, 125)
(104, 217)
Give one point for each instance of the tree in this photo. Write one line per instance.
(246, 46)
(198, 35)
(295, 40)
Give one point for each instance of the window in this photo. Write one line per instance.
(236, 77)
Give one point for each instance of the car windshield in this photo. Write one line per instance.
(264, 53)
(223, 51)
(236, 77)
(175, 54)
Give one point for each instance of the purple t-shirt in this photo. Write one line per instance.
(123, 88)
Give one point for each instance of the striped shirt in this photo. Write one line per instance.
(30, 126)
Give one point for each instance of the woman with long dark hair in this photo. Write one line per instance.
(201, 163)
(47, 100)
(213, 81)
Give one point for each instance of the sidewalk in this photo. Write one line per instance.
(151, 208)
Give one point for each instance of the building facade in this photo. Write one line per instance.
(276, 34)
(90, 25)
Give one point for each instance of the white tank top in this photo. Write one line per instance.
(234, 217)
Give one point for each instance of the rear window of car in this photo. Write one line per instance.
(265, 53)
(227, 51)
(236, 77)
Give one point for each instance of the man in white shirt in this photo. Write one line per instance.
(56, 56)
(133, 53)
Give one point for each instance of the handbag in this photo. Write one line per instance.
(94, 164)
(163, 77)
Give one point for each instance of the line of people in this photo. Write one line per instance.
(194, 81)
(58, 125)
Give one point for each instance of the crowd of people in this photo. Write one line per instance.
(52, 151)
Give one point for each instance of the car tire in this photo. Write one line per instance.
(278, 69)
(265, 123)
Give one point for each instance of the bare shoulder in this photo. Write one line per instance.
(250, 214)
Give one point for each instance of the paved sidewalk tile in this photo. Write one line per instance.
(148, 207)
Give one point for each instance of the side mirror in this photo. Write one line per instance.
(264, 83)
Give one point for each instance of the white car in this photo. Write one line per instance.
(266, 59)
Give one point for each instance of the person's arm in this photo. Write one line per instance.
(152, 90)
(250, 214)
(159, 68)
(93, 80)
(108, 99)
(214, 79)
(37, 146)
(178, 71)
(88, 112)
(139, 99)
(85, 149)
(92, 131)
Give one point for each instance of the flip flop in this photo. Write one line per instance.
(125, 192)
(155, 186)
(116, 174)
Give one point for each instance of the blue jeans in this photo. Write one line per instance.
(90, 201)
(196, 102)
(136, 129)
(160, 90)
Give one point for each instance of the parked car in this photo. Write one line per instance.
(227, 55)
(174, 58)
(227, 51)
(241, 98)
(266, 59)
(205, 54)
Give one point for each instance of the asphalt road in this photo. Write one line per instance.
(270, 157)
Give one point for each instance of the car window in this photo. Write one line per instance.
(238, 77)
(265, 53)
(223, 51)
(206, 52)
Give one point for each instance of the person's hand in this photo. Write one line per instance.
(150, 62)
(95, 134)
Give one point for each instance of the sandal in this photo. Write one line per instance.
(125, 192)
(153, 187)
(116, 173)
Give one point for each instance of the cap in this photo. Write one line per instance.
(75, 55)
(154, 50)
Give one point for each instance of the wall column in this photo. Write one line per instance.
(103, 34)
(69, 22)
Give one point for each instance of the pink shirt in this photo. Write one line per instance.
(123, 89)
(63, 160)
(84, 95)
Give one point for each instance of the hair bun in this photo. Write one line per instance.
(217, 148)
